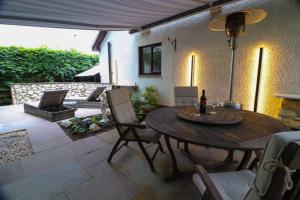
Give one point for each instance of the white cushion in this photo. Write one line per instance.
(231, 185)
(185, 95)
(273, 151)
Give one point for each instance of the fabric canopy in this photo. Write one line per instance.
(90, 72)
(92, 14)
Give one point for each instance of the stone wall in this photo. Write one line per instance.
(25, 92)
(290, 113)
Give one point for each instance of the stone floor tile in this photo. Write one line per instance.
(39, 134)
(47, 184)
(110, 136)
(111, 186)
(10, 172)
(95, 157)
(94, 142)
(51, 143)
(59, 197)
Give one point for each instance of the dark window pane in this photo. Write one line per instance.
(146, 60)
(157, 59)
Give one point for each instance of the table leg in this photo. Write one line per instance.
(245, 160)
(174, 161)
(186, 148)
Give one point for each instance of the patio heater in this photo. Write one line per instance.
(234, 25)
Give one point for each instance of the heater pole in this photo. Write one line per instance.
(233, 47)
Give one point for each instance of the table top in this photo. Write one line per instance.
(250, 134)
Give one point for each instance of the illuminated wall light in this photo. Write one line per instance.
(192, 70)
(260, 62)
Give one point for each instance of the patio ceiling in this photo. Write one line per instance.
(99, 14)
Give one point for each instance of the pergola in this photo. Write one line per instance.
(133, 15)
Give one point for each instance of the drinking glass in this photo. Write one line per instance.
(214, 105)
(197, 106)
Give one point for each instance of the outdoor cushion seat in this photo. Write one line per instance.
(147, 135)
(231, 185)
(130, 129)
(92, 101)
(274, 179)
(186, 95)
(50, 107)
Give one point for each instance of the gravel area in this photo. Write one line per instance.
(14, 146)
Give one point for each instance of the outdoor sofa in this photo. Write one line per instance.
(50, 106)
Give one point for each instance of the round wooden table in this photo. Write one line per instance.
(248, 135)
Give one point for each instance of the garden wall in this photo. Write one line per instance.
(25, 92)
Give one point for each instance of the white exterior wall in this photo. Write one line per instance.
(278, 34)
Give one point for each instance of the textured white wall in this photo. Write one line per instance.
(278, 34)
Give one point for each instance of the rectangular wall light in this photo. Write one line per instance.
(192, 70)
(261, 51)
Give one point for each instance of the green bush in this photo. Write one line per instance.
(18, 64)
(151, 95)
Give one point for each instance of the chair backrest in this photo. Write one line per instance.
(96, 93)
(186, 95)
(121, 107)
(281, 155)
(52, 99)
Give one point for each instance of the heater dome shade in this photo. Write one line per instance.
(252, 16)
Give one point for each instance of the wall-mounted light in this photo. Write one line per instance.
(173, 42)
(192, 69)
(260, 61)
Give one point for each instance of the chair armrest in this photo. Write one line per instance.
(210, 186)
(132, 125)
(141, 116)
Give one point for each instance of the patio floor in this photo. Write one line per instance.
(64, 169)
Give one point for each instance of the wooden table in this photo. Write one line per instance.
(251, 134)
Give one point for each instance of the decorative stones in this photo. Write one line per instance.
(66, 123)
(94, 128)
(14, 146)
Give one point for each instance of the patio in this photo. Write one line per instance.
(63, 169)
(150, 134)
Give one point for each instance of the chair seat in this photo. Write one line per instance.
(147, 135)
(34, 104)
(231, 185)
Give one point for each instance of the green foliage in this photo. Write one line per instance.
(18, 64)
(151, 95)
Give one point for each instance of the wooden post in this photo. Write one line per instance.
(109, 61)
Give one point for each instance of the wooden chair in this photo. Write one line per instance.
(129, 127)
(277, 176)
(185, 96)
(50, 106)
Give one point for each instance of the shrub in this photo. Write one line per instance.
(151, 95)
(18, 64)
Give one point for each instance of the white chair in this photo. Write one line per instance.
(273, 181)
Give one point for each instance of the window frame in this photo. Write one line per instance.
(141, 63)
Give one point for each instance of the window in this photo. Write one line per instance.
(150, 59)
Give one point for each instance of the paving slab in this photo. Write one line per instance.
(50, 158)
(111, 186)
(10, 172)
(48, 184)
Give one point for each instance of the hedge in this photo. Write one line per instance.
(18, 64)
